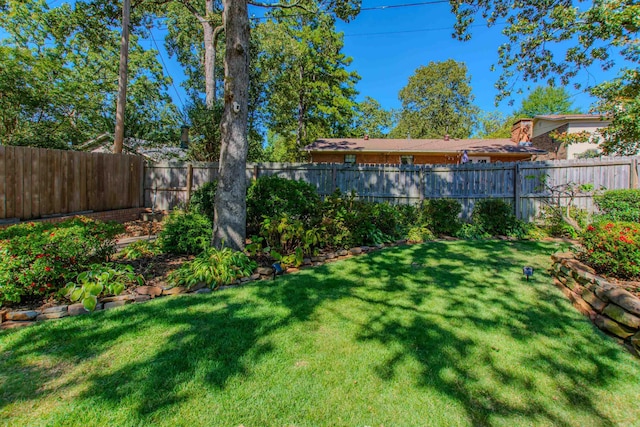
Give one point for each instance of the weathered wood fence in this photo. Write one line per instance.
(36, 182)
(169, 184)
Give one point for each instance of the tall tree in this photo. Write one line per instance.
(303, 73)
(230, 204)
(554, 41)
(372, 119)
(437, 101)
(547, 100)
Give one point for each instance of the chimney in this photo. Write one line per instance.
(366, 137)
(446, 137)
(522, 130)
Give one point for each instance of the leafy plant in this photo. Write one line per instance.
(202, 200)
(37, 259)
(185, 233)
(273, 196)
(472, 232)
(289, 236)
(554, 221)
(100, 279)
(613, 248)
(419, 234)
(441, 216)
(618, 205)
(214, 267)
(494, 216)
(140, 249)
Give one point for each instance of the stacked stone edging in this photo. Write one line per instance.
(14, 319)
(611, 308)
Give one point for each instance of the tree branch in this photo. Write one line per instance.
(193, 10)
(293, 5)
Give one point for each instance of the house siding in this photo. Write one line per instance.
(418, 159)
(555, 150)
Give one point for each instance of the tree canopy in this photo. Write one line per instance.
(547, 100)
(437, 101)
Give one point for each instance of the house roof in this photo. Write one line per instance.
(502, 146)
(104, 142)
(562, 117)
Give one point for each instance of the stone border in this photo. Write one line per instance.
(611, 308)
(15, 319)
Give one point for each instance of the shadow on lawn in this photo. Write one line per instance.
(217, 337)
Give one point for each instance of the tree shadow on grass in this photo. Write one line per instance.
(464, 315)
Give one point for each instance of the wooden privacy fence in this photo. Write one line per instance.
(36, 182)
(168, 185)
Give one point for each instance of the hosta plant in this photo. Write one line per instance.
(213, 267)
(140, 249)
(100, 280)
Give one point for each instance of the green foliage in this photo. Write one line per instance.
(372, 120)
(37, 259)
(419, 234)
(547, 100)
(555, 225)
(202, 200)
(494, 216)
(437, 101)
(619, 205)
(100, 280)
(613, 248)
(441, 216)
(272, 196)
(185, 233)
(472, 232)
(494, 124)
(288, 235)
(140, 249)
(214, 267)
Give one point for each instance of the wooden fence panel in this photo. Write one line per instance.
(36, 182)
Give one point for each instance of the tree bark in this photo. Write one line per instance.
(118, 142)
(230, 209)
(209, 56)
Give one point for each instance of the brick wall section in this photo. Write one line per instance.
(119, 215)
(556, 150)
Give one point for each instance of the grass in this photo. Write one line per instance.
(440, 334)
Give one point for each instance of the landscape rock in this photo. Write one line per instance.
(245, 279)
(264, 271)
(56, 309)
(52, 315)
(174, 291)
(624, 299)
(355, 251)
(203, 291)
(11, 324)
(635, 342)
(319, 258)
(621, 316)
(613, 327)
(3, 315)
(558, 257)
(254, 276)
(22, 315)
(365, 248)
(594, 301)
(330, 255)
(603, 289)
(142, 298)
(343, 252)
(152, 291)
(117, 298)
(114, 304)
(307, 261)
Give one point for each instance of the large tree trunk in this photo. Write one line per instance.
(209, 56)
(230, 204)
(118, 142)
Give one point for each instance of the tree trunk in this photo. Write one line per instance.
(230, 209)
(118, 142)
(209, 56)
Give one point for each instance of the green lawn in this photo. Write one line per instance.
(440, 334)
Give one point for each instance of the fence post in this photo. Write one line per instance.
(189, 183)
(256, 172)
(421, 186)
(633, 173)
(334, 173)
(516, 189)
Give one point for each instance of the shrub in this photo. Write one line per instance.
(202, 200)
(37, 259)
(556, 226)
(185, 233)
(613, 248)
(419, 234)
(273, 196)
(493, 216)
(213, 267)
(288, 236)
(441, 216)
(472, 232)
(100, 279)
(619, 205)
(140, 249)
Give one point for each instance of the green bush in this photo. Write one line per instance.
(556, 226)
(613, 248)
(493, 216)
(441, 216)
(272, 196)
(619, 205)
(213, 267)
(140, 249)
(202, 200)
(472, 232)
(185, 233)
(37, 259)
(287, 235)
(419, 234)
